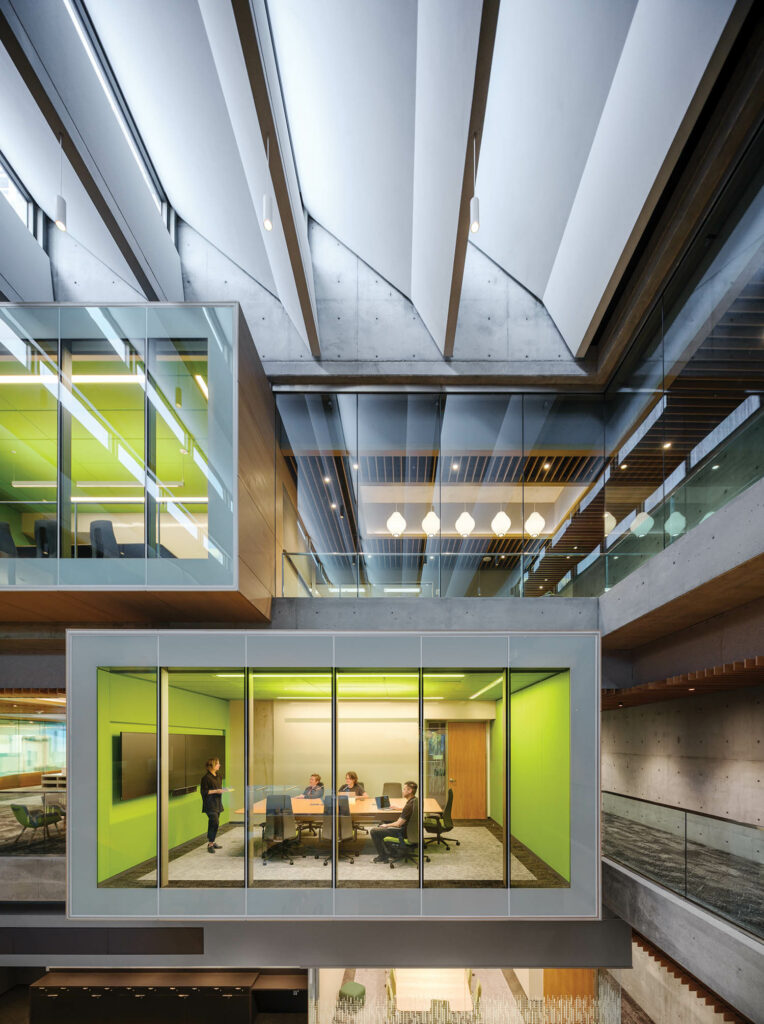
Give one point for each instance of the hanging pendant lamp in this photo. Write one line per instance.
(501, 523)
(396, 524)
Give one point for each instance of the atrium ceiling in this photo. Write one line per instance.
(366, 122)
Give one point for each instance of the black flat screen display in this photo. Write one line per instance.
(188, 757)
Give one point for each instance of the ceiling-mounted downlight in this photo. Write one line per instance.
(267, 197)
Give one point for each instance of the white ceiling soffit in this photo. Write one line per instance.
(24, 265)
(447, 45)
(225, 45)
(53, 47)
(553, 64)
(33, 152)
(588, 107)
(175, 97)
(348, 75)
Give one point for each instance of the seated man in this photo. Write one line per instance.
(315, 788)
(395, 828)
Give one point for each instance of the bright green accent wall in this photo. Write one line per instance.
(540, 770)
(127, 828)
(496, 764)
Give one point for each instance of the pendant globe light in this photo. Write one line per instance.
(431, 523)
(465, 524)
(642, 524)
(610, 521)
(501, 523)
(675, 524)
(396, 524)
(535, 523)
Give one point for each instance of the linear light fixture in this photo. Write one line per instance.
(202, 385)
(267, 197)
(485, 689)
(34, 483)
(123, 483)
(108, 378)
(108, 92)
(28, 378)
(474, 202)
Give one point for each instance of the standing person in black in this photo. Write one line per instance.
(395, 828)
(212, 801)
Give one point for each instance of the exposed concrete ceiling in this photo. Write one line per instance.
(368, 111)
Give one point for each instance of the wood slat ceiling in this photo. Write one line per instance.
(730, 676)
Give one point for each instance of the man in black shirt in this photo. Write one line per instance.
(212, 801)
(395, 828)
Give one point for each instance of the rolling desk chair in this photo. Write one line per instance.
(325, 831)
(346, 831)
(7, 550)
(440, 823)
(406, 848)
(280, 834)
(46, 538)
(393, 790)
(103, 543)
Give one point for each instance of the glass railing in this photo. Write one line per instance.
(716, 863)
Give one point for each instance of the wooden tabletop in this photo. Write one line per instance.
(416, 989)
(360, 807)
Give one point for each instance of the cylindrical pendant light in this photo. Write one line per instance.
(267, 198)
(474, 202)
(60, 220)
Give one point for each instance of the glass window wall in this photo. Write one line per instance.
(117, 459)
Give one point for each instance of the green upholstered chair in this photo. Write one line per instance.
(406, 847)
(34, 818)
(440, 823)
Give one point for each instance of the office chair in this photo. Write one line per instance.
(346, 831)
(440, 823)
(324, 832)
(102, 540)
(8, 550)
(362, 828)
(46, 538)
(392, 789)
(280, 833)
(406, 848)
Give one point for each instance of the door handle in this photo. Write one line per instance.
(452, 780)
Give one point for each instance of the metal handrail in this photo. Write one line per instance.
(684, 810)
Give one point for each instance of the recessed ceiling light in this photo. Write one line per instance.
(667, 444)
(624, 466)
(355, 465)
(327, 479)
(692, 689)
(183, 451)
(620, 705)
(334, 504)
(454, 466)
(547, 465)
(714, 467)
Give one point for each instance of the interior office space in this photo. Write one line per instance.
(381, 595)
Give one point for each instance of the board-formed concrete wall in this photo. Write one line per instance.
(704, 754)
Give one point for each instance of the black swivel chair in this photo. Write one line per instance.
(325, 832)
(406, 847)
(280, 836)
(346, 831)
(103, 543)
(46, 538)
(392, 789)
(440, 823)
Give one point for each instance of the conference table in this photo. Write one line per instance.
(415, 990)
(362, 809)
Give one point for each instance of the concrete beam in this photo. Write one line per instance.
(727, 960)
(718, 565)
(447, 614)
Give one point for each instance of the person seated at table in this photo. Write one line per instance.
(395, 828)
(315, 788)
(352, 785)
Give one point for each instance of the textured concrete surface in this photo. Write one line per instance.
(80, 276)
(725, 959)
(32, 878)
(438, 613)
(703, 755)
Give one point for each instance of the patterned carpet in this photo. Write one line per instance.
(33, 840)
(730, 886)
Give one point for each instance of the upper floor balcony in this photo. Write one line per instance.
(133, 442)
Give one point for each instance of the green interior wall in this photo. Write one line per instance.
(496, 764)
(127, 828)
(540, 770)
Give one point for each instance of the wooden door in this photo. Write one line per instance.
(466, 752)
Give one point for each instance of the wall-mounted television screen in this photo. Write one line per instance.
(188, 757)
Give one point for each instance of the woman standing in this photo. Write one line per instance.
(212, 801)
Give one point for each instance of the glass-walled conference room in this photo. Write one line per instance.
(358, 778)
(117, 459)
